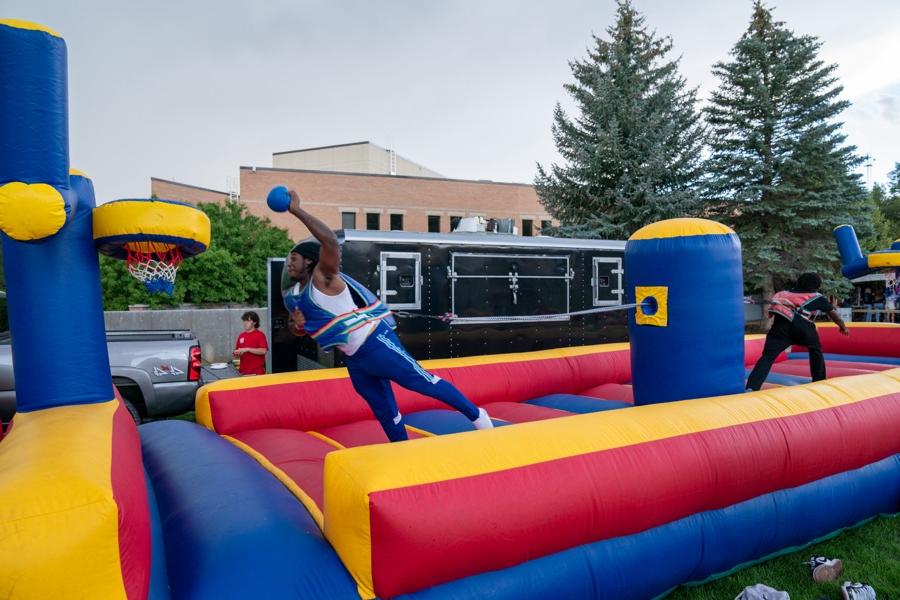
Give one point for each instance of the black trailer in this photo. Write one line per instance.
(485, 278)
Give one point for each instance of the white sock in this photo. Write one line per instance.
(483, 421)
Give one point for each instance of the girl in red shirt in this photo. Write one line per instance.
(251, 346)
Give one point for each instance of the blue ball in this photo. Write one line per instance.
(279, 199)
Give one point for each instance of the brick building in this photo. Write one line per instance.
(358, 157)
(173, 190)
(352, 188)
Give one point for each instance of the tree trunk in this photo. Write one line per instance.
(768, 290)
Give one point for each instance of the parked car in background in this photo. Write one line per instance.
(156, 372)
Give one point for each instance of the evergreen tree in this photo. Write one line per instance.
(881, 225)
(779, 169)
(894, 181)
(886, 204)
(633, 154)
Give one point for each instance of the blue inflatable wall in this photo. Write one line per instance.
(687, 334)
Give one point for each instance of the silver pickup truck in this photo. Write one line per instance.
(156, 372)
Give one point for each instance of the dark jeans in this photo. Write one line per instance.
(381, 360)
(786, 333)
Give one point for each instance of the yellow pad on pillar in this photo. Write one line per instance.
(656, 296)
(31, 211)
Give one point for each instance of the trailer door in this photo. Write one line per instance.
(507, 285)
(400, 275)
(606, 280)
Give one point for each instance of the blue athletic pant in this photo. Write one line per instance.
(382, 359)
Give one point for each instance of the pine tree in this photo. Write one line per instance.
(887, 211)
(881, 225)
(894, 180)
(779, 169)
(633, 154)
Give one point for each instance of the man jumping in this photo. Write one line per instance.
(338, 311)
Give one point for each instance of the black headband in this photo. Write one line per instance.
(308, 249)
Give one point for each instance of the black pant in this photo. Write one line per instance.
(786, 333)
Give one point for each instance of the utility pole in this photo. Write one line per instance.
(868, 164)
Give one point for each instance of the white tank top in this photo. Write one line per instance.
(339, 305)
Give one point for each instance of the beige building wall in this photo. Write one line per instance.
(360, 157)
(173, 190)
(327, 195)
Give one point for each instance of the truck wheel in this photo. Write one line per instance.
(133, 412)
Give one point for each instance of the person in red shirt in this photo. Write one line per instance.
(251, 346)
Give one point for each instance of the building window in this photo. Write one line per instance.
(373, 221)
(545, 225)
(527, 227)
(396, 222)
(454, 221)
(348, 220)
(434, 224)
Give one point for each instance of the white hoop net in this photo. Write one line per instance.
(156, 270)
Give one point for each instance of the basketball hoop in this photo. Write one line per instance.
(153, 237)
(155, 269)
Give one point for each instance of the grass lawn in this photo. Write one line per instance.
(871, 554)
(188, 416)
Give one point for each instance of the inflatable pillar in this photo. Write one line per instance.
(687, 332)
(74, 518)
(35, 196)
(854, 263)
(51, 266)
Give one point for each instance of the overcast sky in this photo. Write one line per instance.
(192, 90)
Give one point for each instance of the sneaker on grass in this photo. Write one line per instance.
(824, 569)
(857, 591)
